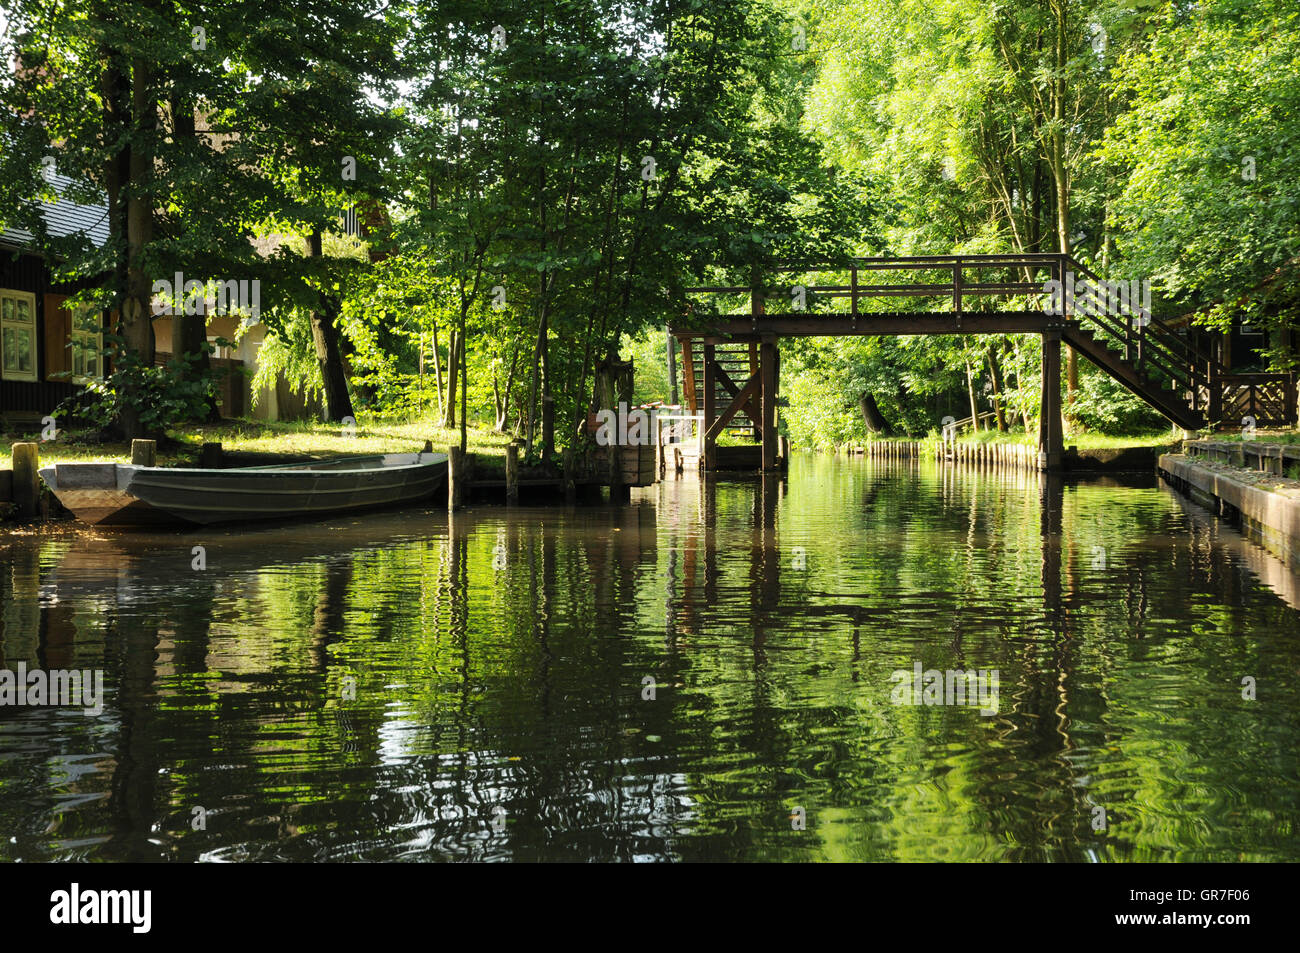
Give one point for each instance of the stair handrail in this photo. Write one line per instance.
(1156, 341)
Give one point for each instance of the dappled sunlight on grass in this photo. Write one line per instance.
(296, 438)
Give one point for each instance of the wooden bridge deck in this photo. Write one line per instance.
(1164, 366)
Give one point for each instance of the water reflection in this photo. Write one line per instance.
(406, 685)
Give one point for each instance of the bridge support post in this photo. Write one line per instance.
(709, 400)
(1051, 438)
(768, 378)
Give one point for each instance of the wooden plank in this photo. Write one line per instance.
(751, 411)
(768, 378)
(688, 375)
(745, 395)
(710, 443)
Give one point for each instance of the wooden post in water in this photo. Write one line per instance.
(455, 477)
(144, 453)
(566, 463)
(512, 475)
(768, 385)
(27, 481)
(1051, 439)
(709, 454)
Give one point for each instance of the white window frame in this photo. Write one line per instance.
(84, 339)
(17, 375)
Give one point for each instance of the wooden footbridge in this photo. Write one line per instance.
(731, 367)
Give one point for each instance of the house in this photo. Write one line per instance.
(47, 353)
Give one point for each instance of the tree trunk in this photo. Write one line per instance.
(503, 400)
(437, 369)
(970, 391)
(548, 403)
(996, 376)
(453, 371)
(464, 386)
(329, 352)
(872, 417)
(137, 315)
(190, 331)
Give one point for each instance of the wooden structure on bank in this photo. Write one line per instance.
(1170, 369)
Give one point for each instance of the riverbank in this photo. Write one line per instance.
(245, 443)
(1084, 453)
(280, 441)
(1259, 495)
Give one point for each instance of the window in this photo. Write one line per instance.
(17, 335)
(86, 342)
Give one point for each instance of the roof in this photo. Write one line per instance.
(63, 217)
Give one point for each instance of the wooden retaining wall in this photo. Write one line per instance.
(993, 455)
(1275, 458)
(1268, 517)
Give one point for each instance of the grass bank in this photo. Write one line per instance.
(293, 439)
(1082, 441)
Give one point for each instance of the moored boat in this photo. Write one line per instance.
(117, 494)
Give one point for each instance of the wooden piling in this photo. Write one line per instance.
(210, 456)
(144, 453)
(570, 486)
(455, 478)
(512, 475)
(27, 481)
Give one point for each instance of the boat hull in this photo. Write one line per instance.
(121, 495)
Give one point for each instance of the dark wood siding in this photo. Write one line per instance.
(28, 273)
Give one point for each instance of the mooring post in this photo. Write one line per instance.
(768, 382)
(1051, 440)
(210, 456)
(512, 474)
(709, 458)
(144, 453)
(455, 474)
(566, 463)
(27, 481)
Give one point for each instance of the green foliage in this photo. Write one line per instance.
(649, 356)
(163, 395)
(1101, 404)
(1207, 151)
(288, 354)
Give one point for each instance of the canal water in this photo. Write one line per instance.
(719, 671)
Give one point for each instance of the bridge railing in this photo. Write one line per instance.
(962, 284)
(1144, 339)
(954, 286)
